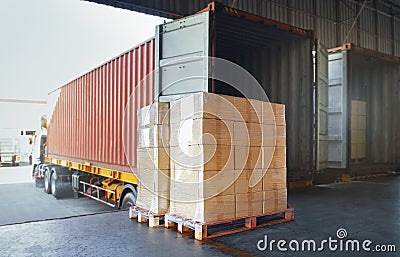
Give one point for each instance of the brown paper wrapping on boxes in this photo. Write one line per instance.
(153, 158)
(274, 200)
(249, 204)
(204, 105)
(155, 114)
(202, 157)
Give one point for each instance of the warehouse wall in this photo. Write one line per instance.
(330, 19)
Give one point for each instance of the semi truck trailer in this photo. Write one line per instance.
(91, 141)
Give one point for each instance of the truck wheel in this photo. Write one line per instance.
(60, 183)
(53, 182)
(47, 181)
(128, 201)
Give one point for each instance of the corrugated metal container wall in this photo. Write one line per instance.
(282, 63)
(87, 122)
(396, 27)
(377, 82)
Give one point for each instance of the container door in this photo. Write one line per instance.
(322, 99)
(181, 46)
(337, 120)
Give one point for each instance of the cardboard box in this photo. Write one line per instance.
(274, 200)
(358, 107)
(273, 113)
(274, 179)
(202, 184)
(156, 202)
(153, 158)
(201, 131)
(155, 180)
(248, 181)
(273, 135)
(253, 134)
(361, 151)
(202, 157)
(248, 158)
(218, 208)
(154, 114)
(154, 136)
(249, 204)
(273, 157)
(204, 105)
(249, 109)
(247, 134)
(358, 136)
(353, 150)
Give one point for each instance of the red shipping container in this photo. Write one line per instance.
(87, 123)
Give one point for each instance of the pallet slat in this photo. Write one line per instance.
(143, 216)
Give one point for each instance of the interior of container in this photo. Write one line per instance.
(376, 81)
(281, 61)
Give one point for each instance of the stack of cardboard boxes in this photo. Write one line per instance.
(153, 162)
(358, 129)
(228, 159)
(209, 158)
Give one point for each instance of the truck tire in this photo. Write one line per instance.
(128, 201)
(47, 181)
(61, 183)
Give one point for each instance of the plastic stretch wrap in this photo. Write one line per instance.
(154, 114)
(226, 158)
(153, 158)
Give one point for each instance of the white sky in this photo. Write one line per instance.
(46, 43)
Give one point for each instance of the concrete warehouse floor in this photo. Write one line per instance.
(367, 209)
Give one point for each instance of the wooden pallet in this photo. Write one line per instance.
(143, 215)
(226, 227)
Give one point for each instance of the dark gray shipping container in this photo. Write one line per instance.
(279, 56)
(364, 75)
